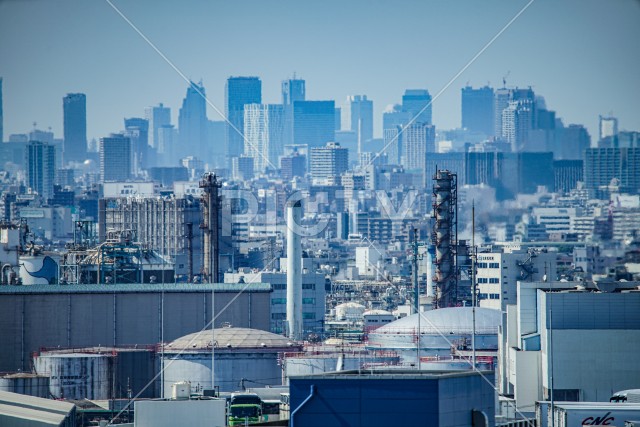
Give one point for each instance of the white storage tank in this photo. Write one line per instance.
(76, 375)
(241, 354)
(39, 269)
(351, 311)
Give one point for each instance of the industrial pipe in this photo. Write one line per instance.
(311, 393)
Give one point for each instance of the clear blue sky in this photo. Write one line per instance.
(581, 55)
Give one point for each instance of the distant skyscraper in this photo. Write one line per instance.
(41, 168)
(75, 127)
(167, 143)
(478, 109)
(193, 123)
(392, 121)
(1, 115)
(292, 166)
(417, 102)
(330, 160)
(618, 166)
(312, 122)
(338, 119)
(264, 133)
(357, 116)
(137, 130)
(571, 142)
(418, 139)
(157, 116)
(242, 168)
(503, 97)
(115, 158)
(516, 124)
(239, 91)
(608, 126)
(293, 90)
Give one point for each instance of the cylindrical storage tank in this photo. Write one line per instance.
(25, 383)
(439, 330)
(239, 353)
(76, 375)
(349, 311)
(39, 269)
(181, 390)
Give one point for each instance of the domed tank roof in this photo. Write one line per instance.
(377, 312)
(350, 305)
(230, 337)
(456, 320)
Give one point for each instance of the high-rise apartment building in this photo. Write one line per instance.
(330, 160)
(74, 107)
(239, 91)
(264, 134)
(503, 97)
(115, 158)
(517, 123)
(41, 168)
(193, 123)
(157, 116)
(478, 109)
(293, 90)
(417, 102)
(357, 116)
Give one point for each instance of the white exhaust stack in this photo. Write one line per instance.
(294, 271)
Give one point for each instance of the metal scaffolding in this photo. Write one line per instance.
(445, 237)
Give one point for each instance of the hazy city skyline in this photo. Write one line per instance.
(579, 55)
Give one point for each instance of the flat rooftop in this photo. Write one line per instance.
(391, 374)
(135, 288)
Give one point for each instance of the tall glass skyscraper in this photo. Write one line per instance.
(312, 123)
(157, 116)
(293, 90)
(477, 109)
(137, 130)
(193, 123)
(417, 102)
(357, 116)
(239, 91)
(264, 132)
(75, 127)
(41, 168)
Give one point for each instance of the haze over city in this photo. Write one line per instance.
(580, 55)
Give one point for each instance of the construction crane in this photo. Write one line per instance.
(504, 78)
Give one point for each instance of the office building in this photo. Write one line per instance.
(328, 161)
(41, 168)
(166, 151)
(193, 123)
(418, 139)
(293, 166)
(502, 97)
(567, 174)
(293, 90)
(75, 127)
(311, 123)
(115, 158)
(137, 130)
(417, 102)
(239, 91)
(157, 116)
(264, 134)
(393, 119)
(571, 142)
(338, 121)
(580, 334)
(607, 127)
(357, 116)
(242, 168)
(478, 109)
(516, 124)
(612, 170)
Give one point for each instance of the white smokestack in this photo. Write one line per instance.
(294, 271)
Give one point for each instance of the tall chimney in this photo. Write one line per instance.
(294, 271)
